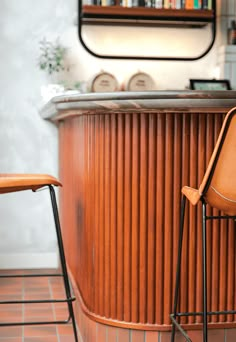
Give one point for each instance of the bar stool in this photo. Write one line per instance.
(19, 182)
(218, 190)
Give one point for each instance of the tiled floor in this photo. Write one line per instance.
(33, 288)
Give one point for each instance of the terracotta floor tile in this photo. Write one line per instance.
(38, 331)
(6, 332)
(41, 339)
(11, 316)
(216, 335)
(152, 336)
(13, 307)
(34, 288)
(30, 310)
(65, 329)
(137, 336)
(68, 339)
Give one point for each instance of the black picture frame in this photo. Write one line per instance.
(209, 84)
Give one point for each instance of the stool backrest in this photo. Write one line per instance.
(218, 187)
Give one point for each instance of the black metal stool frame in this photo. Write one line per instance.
(205, 313)
(69, 298)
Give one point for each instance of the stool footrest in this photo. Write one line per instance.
(182, 331)
(37, 301)
(33, 275)
(34, 323)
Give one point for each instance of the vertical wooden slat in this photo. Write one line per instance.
(90, 205)
(151, 234)
(135, 218)
(127, 218)
(200, 174)
(177, 171)
(160, 171)
(113, 226)
(168, 219)
(209, 149)
(185, 180)
(120, 218)
(107, 213)
(215, 243)
(96, 215)
(102, 208)
(193, 161)
(223, 269)
(143, 220)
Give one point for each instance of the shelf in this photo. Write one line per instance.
(118, 14)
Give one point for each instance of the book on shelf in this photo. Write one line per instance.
(196, 4)
(204, 4)
(126, 3)
(166, 3)
(158, 4)
(141, 3)
(178, 4)
(189, 4)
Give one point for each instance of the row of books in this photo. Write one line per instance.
(167, 4)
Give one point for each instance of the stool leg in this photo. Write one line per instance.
(204, 269)
(63, 259)
(177, 281)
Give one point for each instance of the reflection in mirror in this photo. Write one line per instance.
(152, 41)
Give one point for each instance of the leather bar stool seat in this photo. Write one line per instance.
(21, 182)
(217, 190)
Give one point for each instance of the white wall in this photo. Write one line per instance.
(28, 143)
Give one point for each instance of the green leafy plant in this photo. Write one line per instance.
(52, 57)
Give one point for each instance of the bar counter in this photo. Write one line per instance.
(123, 160)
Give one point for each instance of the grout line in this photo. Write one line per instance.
(53, 308)
(23, 308)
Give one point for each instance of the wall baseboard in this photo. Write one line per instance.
(28, 260)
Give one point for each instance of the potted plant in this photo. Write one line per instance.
(52, 57)
(52, 61)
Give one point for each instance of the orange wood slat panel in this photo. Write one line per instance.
(192, 222)
(216, 242)
(120, 218)
(168, 219)
(113, 234)
(160, 174)
(135, 219)
(143, 219)
(127, 217)
(185, 157)
(151, 220)
(122, 176)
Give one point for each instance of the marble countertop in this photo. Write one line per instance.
(69, 104)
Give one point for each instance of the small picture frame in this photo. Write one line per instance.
(208, 84)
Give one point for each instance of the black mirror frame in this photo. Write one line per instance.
(80, 17)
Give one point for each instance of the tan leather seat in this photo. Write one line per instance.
(20, 182)
(218, 186)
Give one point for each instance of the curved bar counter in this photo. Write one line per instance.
(123, 160)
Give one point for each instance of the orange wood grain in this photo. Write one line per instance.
(122, 174)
